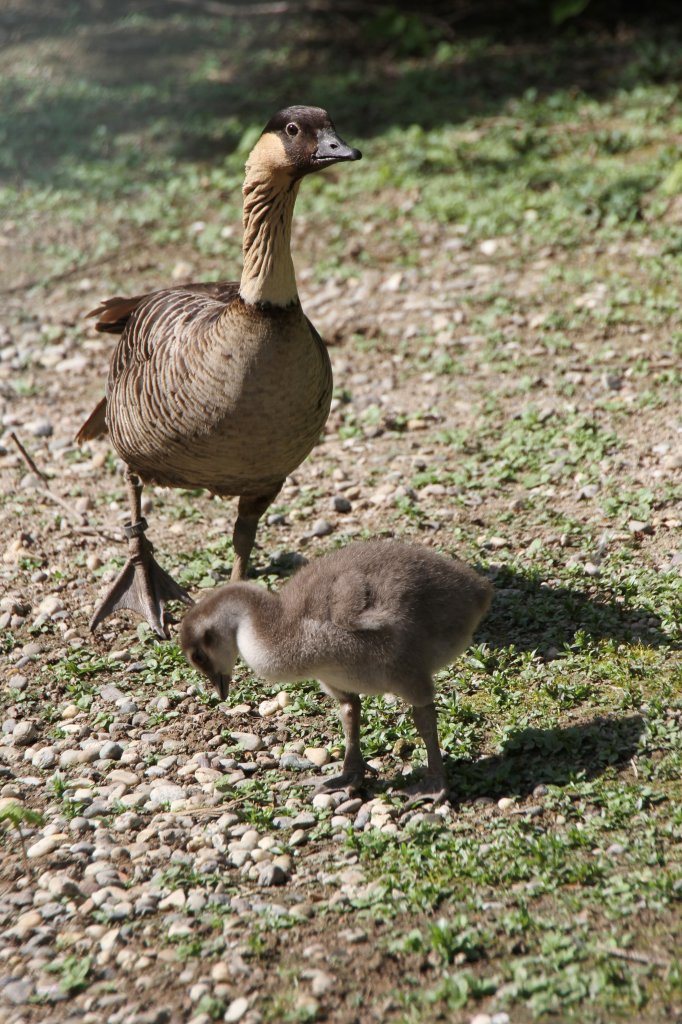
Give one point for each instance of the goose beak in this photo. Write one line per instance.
(221, 684)
(331, 149)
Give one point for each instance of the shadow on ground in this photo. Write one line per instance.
(556, 756)
(532, 616)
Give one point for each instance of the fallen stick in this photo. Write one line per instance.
(633, 956)
(79, 517)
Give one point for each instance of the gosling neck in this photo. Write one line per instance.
(268, 275)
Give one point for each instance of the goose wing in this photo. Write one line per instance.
(144, 321)
(113, 314)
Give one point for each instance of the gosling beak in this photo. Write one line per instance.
(221, 684)
(331, 149)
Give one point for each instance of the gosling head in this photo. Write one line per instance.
(298, 141)
(208, 637)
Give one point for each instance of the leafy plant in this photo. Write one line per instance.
(15, 815)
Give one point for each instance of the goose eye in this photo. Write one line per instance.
(292, 129)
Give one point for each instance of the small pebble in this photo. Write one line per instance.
(236, 1010)
(639, 526)
(247, 740)
(48, 844)
(44, 758)
(323, 801)
(318, 756)
(321, 528)
(18, 992)
(294, 761)
(24, 733)
(272, 874)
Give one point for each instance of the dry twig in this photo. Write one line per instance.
(633, 956)
(79, 517)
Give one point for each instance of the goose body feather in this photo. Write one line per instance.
(206, 391)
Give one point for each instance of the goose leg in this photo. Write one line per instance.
(433, 786)
(354, 765)
(142, 585)
(249, 511)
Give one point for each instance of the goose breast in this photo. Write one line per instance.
(218, 395)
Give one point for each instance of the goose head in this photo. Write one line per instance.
(297, 141)
(208, 637)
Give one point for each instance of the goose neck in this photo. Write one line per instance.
(268, 274)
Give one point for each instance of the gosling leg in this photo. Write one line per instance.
(433, 786)
(142, 585)
(249, 511)
(354, 765)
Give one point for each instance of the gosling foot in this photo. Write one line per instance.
(351, 779)
(143, 587)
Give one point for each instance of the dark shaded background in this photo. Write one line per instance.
(372, 63)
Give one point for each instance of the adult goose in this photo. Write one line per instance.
(373, 617)
(224, 386)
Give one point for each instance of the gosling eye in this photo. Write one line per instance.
(292, 129)
(200, 659)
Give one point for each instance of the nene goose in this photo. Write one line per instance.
(224, 386)
(373, 617)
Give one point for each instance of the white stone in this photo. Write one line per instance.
(48, 844)
(50, 605)
(24, 733)
(27, 922)
(167, 792)
(174, 901)
(236, 1010)
(247, 740)
(267, 708)
(121, 777)
(250, 840)
(46, 757)
(220, 972)
(318, 756)
(109, 940)
(323, 801)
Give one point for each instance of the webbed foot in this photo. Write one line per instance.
(142, 586)
(352, 779)
(430, 790)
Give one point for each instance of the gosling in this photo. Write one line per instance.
(373, 617)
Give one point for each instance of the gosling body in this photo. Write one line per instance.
(374, 617)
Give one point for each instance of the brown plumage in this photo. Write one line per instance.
(373, 617)
(225, 386)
